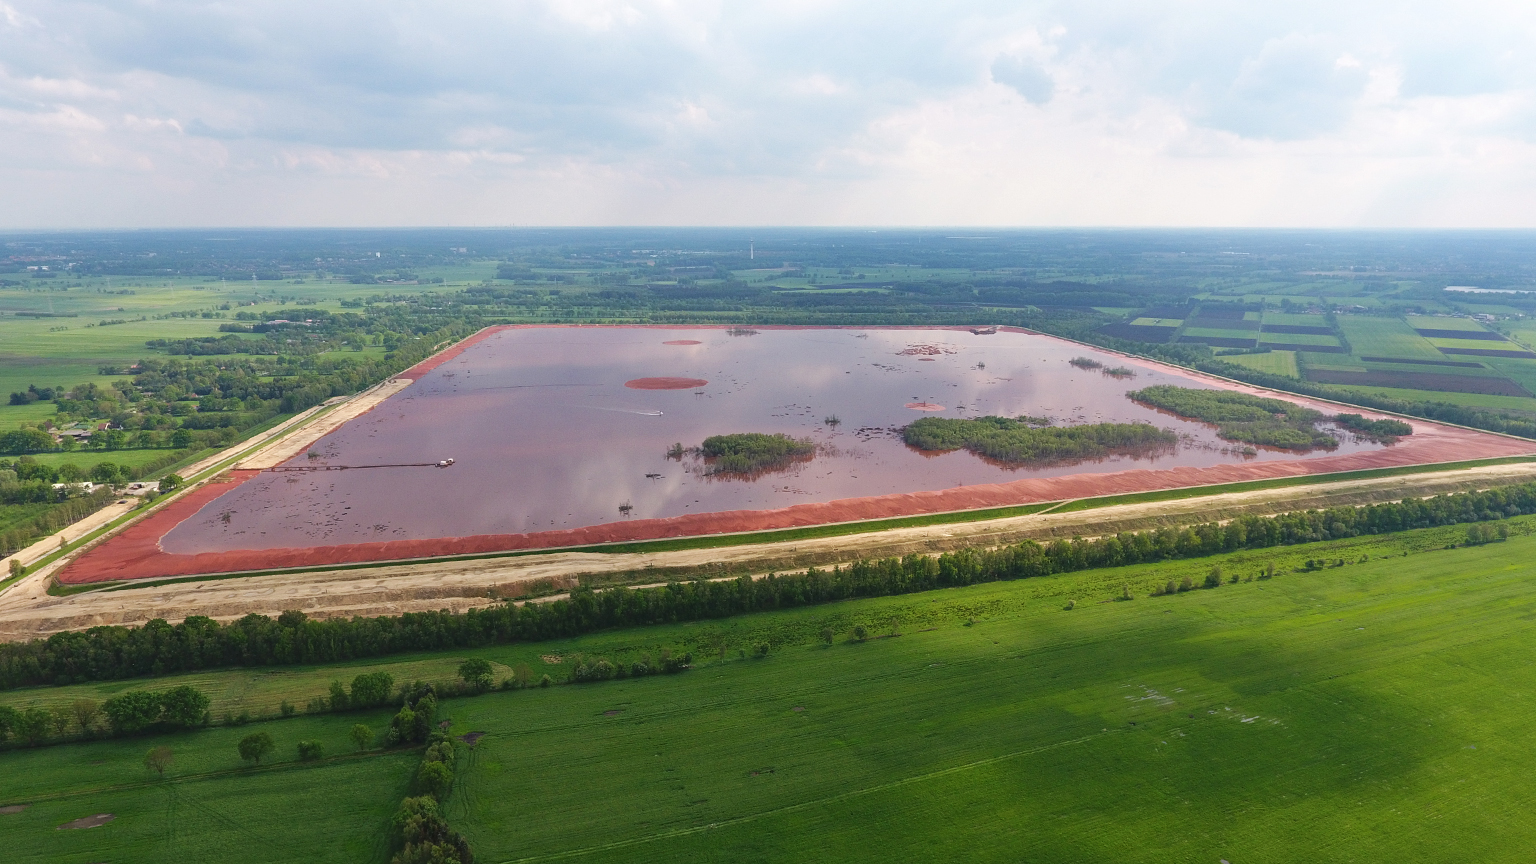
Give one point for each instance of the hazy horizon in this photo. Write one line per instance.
(588, 113)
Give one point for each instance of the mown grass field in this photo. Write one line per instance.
(1385, 337)
(1300, 339)
(1474, 400)
(1274, 362)
(1374, 711)
(1430, 322)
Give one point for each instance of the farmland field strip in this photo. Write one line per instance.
(242, 771)
(1322, 614)
(805, 805)
(1386, 337)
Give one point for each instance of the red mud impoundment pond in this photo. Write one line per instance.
(560, 436)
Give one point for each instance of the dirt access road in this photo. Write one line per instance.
(459, 585)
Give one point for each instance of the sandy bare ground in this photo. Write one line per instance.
(27, 611)
(290, 446)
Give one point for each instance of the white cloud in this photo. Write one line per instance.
(696, 112)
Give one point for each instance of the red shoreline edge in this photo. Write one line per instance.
(135, 553)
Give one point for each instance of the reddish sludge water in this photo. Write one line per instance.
(553, 446)
(556, 428)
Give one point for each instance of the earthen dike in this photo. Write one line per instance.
(134, 552)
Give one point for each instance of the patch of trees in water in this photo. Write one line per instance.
(750, 453)
(1244, 418)
(1026, 440)
(1376, 430)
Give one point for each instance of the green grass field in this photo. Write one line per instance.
(1385, 337)
(1295, 320)
(1298, 339)
(1375, 711)
(1473, 400)
(1429, 322)
(1275, 362)
(1472, 343)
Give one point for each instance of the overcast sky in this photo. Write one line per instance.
(586, 112)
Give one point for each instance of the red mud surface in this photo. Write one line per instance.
(683, 342)
(415, 372)
(665, 383)
(135, 553)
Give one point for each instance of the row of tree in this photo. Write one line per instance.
(158, 648)
(133, 712)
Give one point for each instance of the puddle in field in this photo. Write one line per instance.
(548, 430)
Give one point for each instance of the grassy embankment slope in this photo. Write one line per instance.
(1372, 711)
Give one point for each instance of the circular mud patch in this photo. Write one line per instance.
(87, 822)
(683, 342)
(12, 808)
(924, 406)
(665, 383)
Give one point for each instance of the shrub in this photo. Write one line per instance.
(435, 779)
(184, 707)
(254, 747)
(826, 635)
(476, 672)
(760, 650)
(860, 633)
(1071, 604)
(361, 735)
(86, 711)
(425, 837)
(132, 712)
(32, 725)
(159, 759)
(371, 690)
(339, 700)
(1213, 578)
(1186, 584)
(309, 751)
(286, 709)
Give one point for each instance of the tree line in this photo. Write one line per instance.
(159, 648)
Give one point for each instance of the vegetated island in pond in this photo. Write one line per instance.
(1262, 421)
(747, 454)
(1376, 430)
(1025, 440)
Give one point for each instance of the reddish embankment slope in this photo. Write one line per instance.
(135, 553)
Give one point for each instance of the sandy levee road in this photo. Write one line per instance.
(290, 446)
(458, 585)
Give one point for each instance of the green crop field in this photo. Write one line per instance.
(1479, 344)
(1372, 711)
(1220, 333)
(1299, 339)
(1385, 337)
(1295, 320)
(1471, 400)
(1425, 322)
(1274, 362)
(1520, 371)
